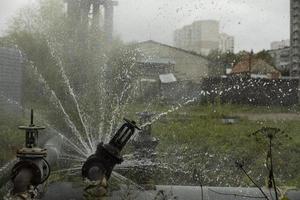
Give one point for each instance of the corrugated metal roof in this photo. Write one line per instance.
(11, 55)
(176, 48)
(167, 78)
(11, 73)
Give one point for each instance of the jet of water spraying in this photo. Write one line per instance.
(71, 92)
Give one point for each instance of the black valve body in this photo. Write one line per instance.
(108, 155)
(105, 159)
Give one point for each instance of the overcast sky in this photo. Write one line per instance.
(253, 23)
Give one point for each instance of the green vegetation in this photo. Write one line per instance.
(196, 139)
(219, 61)
(56, 60)
(193, 139)
(11, 137)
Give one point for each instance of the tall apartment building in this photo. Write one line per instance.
(280, 44)
(226, 43)
(281, 57)
(295, 37)
(200, 37)
(280, 52)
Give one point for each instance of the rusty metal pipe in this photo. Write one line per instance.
(32, 167)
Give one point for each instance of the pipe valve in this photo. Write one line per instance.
(101, 164)
(32, 167)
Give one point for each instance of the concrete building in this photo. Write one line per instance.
(11, 75)
(226, 43)
(201, 36)
(281, 59)
(164, 59)
(280, 44)
(295, 37)
(168, 72)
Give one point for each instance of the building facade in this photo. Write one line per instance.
(280, 44)
(200, 37)
(281, 59)
(162, 59)
(169, 73)
(295, 37)
(226, 43)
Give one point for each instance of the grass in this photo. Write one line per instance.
(194, 137)
(196, 130)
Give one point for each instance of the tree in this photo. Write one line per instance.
(264, 55)
(87, 78)
(220, 61)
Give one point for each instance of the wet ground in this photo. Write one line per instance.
(69, 191)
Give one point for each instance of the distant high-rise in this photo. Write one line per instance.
(295, 37)
(201, 36)
(280, 44)
(226, 43)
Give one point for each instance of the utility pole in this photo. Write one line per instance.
(250, 62)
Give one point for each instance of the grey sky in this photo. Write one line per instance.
(7, 10)
(254, 23)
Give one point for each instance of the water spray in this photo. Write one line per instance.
(32, 169)
(144, 142)
(99, 166)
